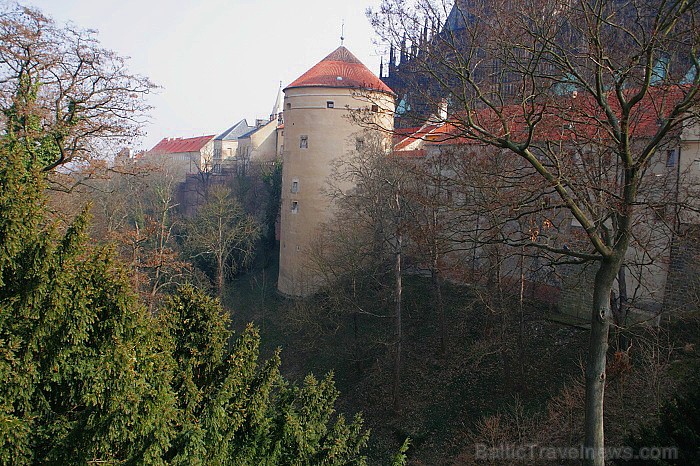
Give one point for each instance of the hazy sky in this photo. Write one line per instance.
(219, 61)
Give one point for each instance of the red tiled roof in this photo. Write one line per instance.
(341, 69)
(563, 119)
(176, 145)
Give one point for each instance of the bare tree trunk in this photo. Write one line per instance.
(621, 309)
(521, 326)
(397, 303)
(219, 276)
(355, 330)
(220, 259)
(596, 362)
(437, 290)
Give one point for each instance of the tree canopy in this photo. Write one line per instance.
(61, 89)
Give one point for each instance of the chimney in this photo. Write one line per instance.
(442, 110)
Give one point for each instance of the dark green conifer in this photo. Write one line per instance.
(87, 375)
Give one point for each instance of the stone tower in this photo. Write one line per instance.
(318, 132)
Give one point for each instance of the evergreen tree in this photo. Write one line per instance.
(235, 411)
(87, 375)
(80, 378)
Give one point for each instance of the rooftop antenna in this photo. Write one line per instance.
(342, 33)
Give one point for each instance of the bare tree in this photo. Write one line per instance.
(584, 94)
(376, 203)
(61, 88)
(222, 234)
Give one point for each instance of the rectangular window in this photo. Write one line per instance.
(330, 104)
(295, 207)
(671, 158)
(359, 144)
(304, 142)
(375, 108)
(295, 186)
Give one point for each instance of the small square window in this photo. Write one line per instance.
(295, 186)
(375, 108)
(295, 207)
(289, 106)
(330, 104)
(304, 142)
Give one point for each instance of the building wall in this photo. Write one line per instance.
(178, 164)
(224, 152)
(330, 134)
(649, 260)
(264, 142)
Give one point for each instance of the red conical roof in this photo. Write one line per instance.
(341, 69)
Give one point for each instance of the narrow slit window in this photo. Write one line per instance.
(304, 142)
(295, 186)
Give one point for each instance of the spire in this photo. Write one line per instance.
(381, 67)
(392, 58)
(403, 49)
(277, 108)
(424, 39)
(342, 33)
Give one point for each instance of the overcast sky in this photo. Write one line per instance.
(219, 61)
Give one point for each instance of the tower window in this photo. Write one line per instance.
(359, 143)
(295, 207)
(330, 104)
(295, 186)
(671, 158)
(289, 106)
(304, 142)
